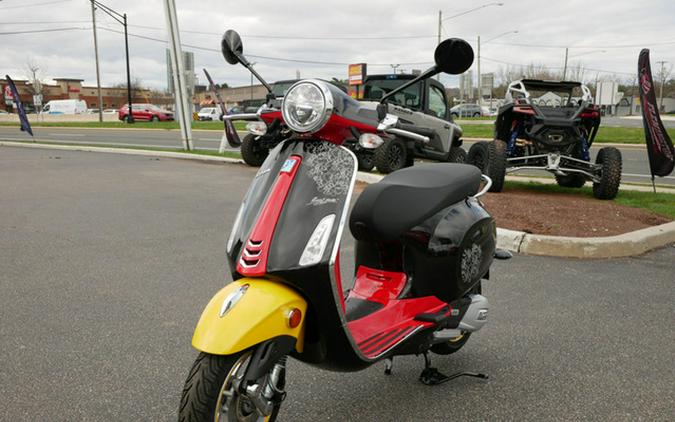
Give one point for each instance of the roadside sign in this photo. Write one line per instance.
(357, 73)
(37, 100)
(9, 97)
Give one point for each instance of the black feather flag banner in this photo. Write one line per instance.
(25, 124)
(659, 144)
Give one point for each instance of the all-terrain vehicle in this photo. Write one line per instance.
(424, 105)
(549, 125)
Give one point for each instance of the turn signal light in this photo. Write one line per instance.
(294, 317)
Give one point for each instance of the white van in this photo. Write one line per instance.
(65, 107)
(210, 113)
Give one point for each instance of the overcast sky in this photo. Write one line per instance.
(605, 36)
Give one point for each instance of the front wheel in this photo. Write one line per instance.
(457, 155)
(366, 161)
(392, 155)
(210, 394)
(609, 158)
(252, 152)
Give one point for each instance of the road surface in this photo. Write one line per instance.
(107, 261)
(635, 162)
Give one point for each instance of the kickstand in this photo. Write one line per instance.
(388, 364)
(431, 376)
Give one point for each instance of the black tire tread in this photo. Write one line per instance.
(251, 156)
(381, 158)
(457, 155)
(608, 187)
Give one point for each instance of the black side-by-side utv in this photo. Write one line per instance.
(549, 125)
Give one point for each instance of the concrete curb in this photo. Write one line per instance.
(628, 244)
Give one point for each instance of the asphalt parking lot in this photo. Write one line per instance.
(106, 262)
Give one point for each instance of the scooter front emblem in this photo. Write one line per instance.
(232, 299)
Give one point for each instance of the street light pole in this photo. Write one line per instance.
(567, 50)
(122, 20)
(98, 74)
(130, 116)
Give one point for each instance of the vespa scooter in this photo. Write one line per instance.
(424, 242)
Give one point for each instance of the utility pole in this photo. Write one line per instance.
(567, 50)
(394, 66)
(440, 19)
(176, 54)
(480, 90)
(663, 81)
(98, 74)
(122, 20)
(253, 64)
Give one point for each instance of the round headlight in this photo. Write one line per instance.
(307, 106)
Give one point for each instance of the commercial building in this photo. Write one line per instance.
(67, 88)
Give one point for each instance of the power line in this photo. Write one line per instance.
(555, 67)
(318, 62)
(23, 6)
(33, 31)
(40, 22)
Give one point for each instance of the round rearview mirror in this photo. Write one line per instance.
(453, 56)
(231, 46)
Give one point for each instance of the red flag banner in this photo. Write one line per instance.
(659, 146)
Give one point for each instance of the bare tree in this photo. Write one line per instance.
(35, 74)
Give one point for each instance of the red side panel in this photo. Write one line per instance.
(380, 331)
(253, 259)
(377, 285)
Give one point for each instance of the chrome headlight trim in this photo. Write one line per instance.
(328, 102)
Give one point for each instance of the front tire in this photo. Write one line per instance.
(490, 158)
(366, 161)
(457, 155)
(391, 156)
(251, 151)
(205, 395)
(610, 178)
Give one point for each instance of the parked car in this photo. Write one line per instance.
(144, 111)
(210, 113)
(424, 105)
(468, 110)
(65, 107)
(553, 136)
(110, 111)
(92, 111)
(3, 112)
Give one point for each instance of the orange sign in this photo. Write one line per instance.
(357, 73)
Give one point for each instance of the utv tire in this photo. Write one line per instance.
(251, 151)
(490, 158)
(392, 155)
(570, 181)
(610, 178)
(366, 161)
(457, 155)
(203, 386)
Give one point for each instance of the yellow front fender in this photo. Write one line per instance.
(260, 314)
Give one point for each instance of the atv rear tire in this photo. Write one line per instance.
(610, 177)
(392, 155)
(490, 158)
(251, 151)
(570, 181)
(457, 155)
(366, 161)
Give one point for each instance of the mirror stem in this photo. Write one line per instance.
(427, 74)
(248, 66)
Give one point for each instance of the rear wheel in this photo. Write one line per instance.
(490, 158)
(453, 345)
(457, 155)
(251, 151)
(210, 394)
(391, 156)
(570, 181)
(476, 114)
(610, 177)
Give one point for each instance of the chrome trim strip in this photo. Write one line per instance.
(486, 188)
(333, 258)
(250, 254)
(242, 116)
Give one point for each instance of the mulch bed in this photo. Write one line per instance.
(562, 214)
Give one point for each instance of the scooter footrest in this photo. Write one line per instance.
(448, 316)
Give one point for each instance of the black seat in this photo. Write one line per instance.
(407, 197)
